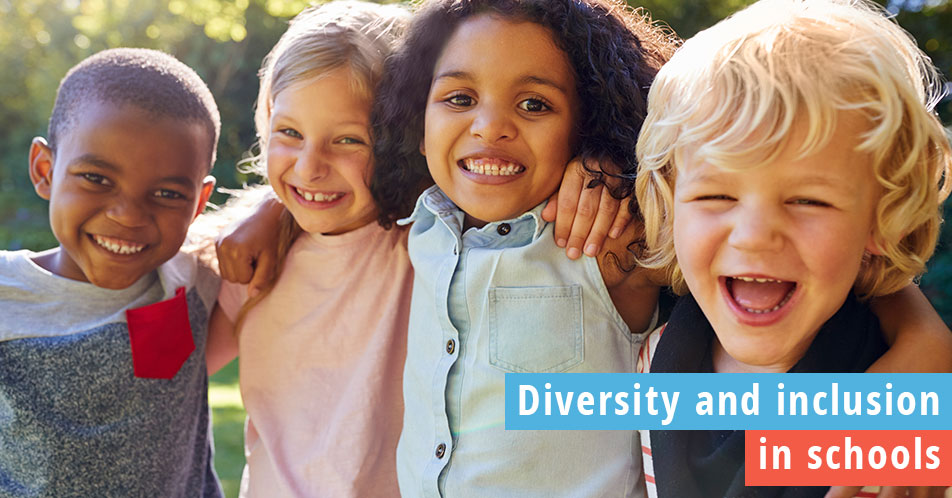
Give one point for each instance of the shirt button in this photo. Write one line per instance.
(440, 450)
(503, 229)
(450, 346)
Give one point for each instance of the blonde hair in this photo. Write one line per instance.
(353, 34)
(733, 94)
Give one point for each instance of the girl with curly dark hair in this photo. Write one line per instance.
(490, 99)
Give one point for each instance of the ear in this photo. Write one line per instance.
(41, 167)
(422, 148)
(208, 186)
(872, 246)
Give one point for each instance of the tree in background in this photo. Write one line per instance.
(225, 40)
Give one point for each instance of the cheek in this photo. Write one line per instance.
(689, 237)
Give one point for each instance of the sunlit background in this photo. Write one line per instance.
(225, 40)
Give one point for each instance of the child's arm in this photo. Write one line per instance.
(222, 346)
(584, 216)
(634, 290)
(919, 339)
(247, 253)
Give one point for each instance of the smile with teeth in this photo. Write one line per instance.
(492, 168)
(318, 196)
(760, 295)
(118, 246)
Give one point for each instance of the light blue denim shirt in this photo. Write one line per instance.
(504, 298)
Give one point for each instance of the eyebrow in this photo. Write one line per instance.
(99, 162)
(808, 181)
(283, 116)
(823, 181)
(531, 79)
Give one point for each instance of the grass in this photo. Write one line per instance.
(228, 419)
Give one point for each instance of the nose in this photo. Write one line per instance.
(756, 228)
(312, 163)
(492, 123)
(128, 212)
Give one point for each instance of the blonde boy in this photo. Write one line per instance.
(790, 163)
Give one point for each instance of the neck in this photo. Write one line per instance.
(725, 363)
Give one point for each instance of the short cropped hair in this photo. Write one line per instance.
(732, 95)
(614, 53)
(148, 79)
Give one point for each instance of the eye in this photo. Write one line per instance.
(168, 194)
(460, 100)
(809, 202)
(94, 178)
(351, 141)
(714, 197)
(534, 105)
(291, 132)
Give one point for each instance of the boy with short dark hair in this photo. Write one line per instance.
(103, 387)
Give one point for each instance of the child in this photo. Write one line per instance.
(790, 167)
(518, 87)
(103, 388)
(487, 92)
(322, 356)
(342, 304)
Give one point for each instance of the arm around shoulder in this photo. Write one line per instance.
(634, 290)
(919, 339)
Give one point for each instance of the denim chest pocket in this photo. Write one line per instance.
(536, 329)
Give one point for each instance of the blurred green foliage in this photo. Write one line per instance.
(225, 40)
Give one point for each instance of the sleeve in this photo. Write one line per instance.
(231, 297)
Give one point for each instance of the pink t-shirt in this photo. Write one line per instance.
(322, 367)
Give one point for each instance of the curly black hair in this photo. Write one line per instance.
(614, 52)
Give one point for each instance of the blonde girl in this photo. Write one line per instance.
(322, 347)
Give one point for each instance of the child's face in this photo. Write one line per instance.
(319, 153)
(123, 188)
(771, 252)
(500, 118)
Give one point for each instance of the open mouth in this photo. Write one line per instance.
(118, 246)
(759, 295)
(491, 167)
(311, 196)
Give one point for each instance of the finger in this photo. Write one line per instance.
(264, 273)
(242, 268)
(622, 218)
(584, 218)
(551, 208)
(892, 492)
(842, 491)
(234, 265)
(568, 197)
(927, 492)
(608, 208)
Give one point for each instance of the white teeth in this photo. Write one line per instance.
(118, 246)
(493, 169)
(758, 280)
(317, 196)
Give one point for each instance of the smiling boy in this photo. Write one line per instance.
(790, 167)
(103, 388)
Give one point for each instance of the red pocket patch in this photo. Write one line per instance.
(161, 337)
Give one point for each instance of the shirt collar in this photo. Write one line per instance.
(433, 203)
